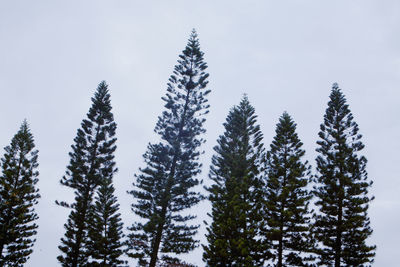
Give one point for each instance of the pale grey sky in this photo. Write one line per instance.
(284, 54)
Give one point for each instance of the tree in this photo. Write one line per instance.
(91, 161)
(287, 198)
(18, 196)
(342, 224)
(163, 188)
(237, 193)
(105, 228)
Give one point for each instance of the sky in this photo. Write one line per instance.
(284, 55)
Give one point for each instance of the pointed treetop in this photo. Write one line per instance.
(285, 126)
(285, 114)
(24, 125)
(193, 42)
(244, 107)
(101, 104)
(102, 86)
(194, 33)
(244, 102)
(24, 128)
(336, 91)
(337, 99)
(102, 90)
(335, 86)
(285, 119)
(23, 138)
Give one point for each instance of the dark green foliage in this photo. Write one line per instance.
(18, 195)
(237, 193)
(167, 261)
(287, 198)
(105, 231)
(163, 188)
(92, 161)
(342, 226)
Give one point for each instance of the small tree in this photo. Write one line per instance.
(105, 228)
(287, 197)
(163, 189)
(342, 224)
(237, 193)
(92, 160)
(18, 195)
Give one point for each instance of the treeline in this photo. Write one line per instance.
(268, 208)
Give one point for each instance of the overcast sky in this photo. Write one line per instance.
(284, 54)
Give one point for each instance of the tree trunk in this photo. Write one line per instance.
(280, 248)
(338, 245)
(1, 249)
(157, 240)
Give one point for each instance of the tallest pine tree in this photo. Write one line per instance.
(164, 188)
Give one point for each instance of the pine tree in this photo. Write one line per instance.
(18, 195)
(237, 193)
(105, 228)
(164, 187)
(342, 226)
(287, 198)
(91, 161)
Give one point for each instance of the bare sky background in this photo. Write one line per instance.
(284, 54)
